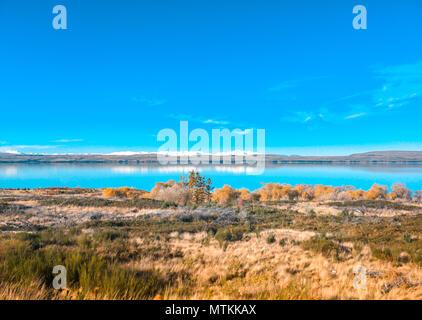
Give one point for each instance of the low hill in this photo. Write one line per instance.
(373, 157)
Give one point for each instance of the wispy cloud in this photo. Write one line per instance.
(302, 117)
(211, 121)
(400, 85)
(39, 147)
(11, 151)
(187, 117)
(23, 148)
(242, 132)
(356, 115)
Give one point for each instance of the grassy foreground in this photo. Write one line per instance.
(151, 249)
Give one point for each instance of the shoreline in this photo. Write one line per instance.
(151, 159)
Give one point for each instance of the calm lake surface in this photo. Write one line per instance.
(94, 176)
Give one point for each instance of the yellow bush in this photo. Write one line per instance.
(274, 192)
(305, 192)
(180, 192)
(124, 192)
(109, 193)
(225, 195)
(244, 194)
(356, 194)
(322, 192)
(400, 191)
(376, 192)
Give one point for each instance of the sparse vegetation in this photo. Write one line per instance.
(124, 192)
(99, 202)
(210, 246)
(194, 189)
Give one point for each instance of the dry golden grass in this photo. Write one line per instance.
(189, 263)
(254, 269)
(36, 290)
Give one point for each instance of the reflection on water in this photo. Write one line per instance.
(173, 169)
(128, 169)
(10, 171)
(98, 176)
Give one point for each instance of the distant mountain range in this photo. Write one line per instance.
(374, 158)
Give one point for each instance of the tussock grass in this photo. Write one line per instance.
(86, 271)
(262, 251)
(100, 202)
(376, 204)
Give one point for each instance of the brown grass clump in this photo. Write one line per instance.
(225, 196)
(124, 192)
(275, 249)
(170, 191)
(35, 290)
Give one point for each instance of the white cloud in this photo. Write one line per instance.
(215, 122)
(303, 117)
(9, 151)
(187, 117)
(356, 115)
(127, 153)
(242, 132)
(401, 84)
(15, 149)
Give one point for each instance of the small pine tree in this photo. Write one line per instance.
(200, 188)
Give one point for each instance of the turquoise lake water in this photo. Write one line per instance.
(34, 176)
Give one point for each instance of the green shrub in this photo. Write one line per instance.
(110, 235)
(382, 253)
(346, 214)
(312, 214)
(140, 203)
(85, 242)
(237, 233)
(270, 238)
(168, 204)
(234, 233)
(417, 258)
(357, 246)
(407, 237)
(321, 245)
(223, 234)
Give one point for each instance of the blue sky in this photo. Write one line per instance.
(124, 70)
